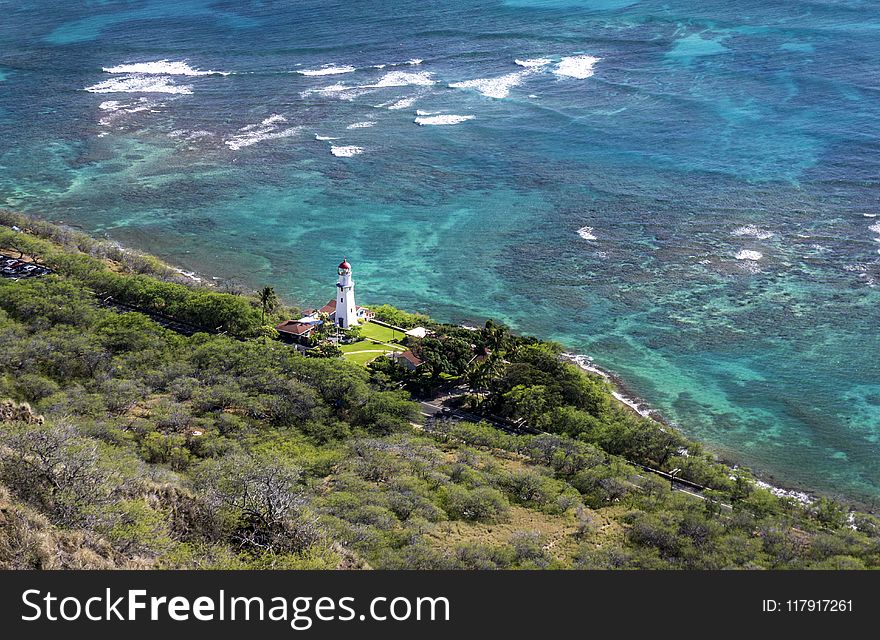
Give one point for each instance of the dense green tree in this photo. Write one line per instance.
(444, 354)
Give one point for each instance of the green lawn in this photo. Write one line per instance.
(380, 333)
(362, 357)
(377, 343)
(365, 345)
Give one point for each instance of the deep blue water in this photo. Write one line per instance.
(721, 164)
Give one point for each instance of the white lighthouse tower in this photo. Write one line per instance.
(346, 309)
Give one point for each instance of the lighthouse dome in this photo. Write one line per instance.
(344, 264)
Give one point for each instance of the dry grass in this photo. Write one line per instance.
(29, 541)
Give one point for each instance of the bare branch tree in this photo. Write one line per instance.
(262, 498)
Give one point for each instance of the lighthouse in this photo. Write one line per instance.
(346, 309)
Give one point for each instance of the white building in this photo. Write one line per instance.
(342, 311)
(346, 310)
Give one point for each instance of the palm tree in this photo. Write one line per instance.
(497, 336)
(268, 302)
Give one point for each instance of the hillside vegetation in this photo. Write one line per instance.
(125, 444)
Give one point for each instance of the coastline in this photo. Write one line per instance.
(619, 389)
(626, 397)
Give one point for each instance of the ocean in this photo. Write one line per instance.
(686, 192)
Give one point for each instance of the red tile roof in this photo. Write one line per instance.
(295, 328)
(411, 357)
(330, 307)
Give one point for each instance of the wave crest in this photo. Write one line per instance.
(748, 254)
(492, 87)
(346, 151)
(268, 129)
(441, 120)
(580, 67)
(162, 67)
(752, 231)
(327, 70)
(140, 84)
(586, 233)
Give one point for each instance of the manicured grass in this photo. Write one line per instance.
(380, 333)
(356, 346)
(377, 343)
(365, 345)
(363, 357)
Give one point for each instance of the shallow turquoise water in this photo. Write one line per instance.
(720, 163)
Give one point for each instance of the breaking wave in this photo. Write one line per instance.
(576, 66)
(533, 63)
(441, 120)
(748, 254)
(327, 70)
(162, 67)
(268, 129)
(346, 151)
(492, 87)
(752, 231)
(140, 84)
(403, 103)
(586, 233)
(403, 79)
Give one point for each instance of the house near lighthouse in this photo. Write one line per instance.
(342, 310)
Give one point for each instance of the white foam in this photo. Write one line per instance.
(343, 91)
(140, 84)
(331, 89)
(268, 129)
(403, 79)
(188, 274)
(870, 215)
(116, 109)
(362, 125)
(492, 87)
(324, 138)
(586, 363)
(876, 229)
(422, 112)
(199, 133)
(338, 91)
(586, 233)
(635, 405)
(346, 152)
(799, 496)
(752, 231)
(403, 103)
(532, 63)
(162, 67)
(441, 120)
(414, 61)
(576, 66)
(748, 254)
(327, 70)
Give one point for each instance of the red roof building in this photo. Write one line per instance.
(295, 330)
(406, 359)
